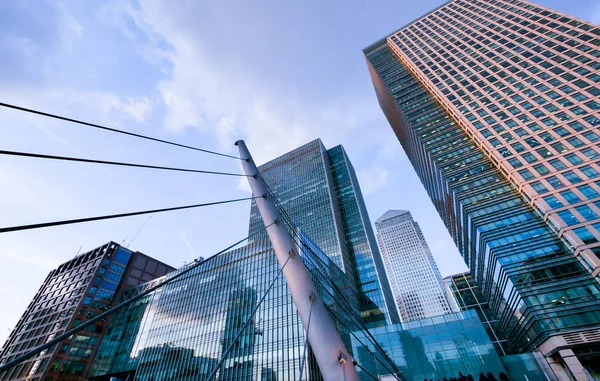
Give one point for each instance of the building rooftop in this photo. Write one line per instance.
(391, 213)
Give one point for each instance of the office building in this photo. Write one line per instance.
(184, 329)
(496, 104)
(76, 291)
(320, 191)
(411, 270)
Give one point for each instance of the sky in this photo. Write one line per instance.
(277, 74)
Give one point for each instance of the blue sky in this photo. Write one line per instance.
(204, 73)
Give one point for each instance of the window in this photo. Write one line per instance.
(557, 164)
(588, 191)
(584, 234)
(515, 163)
(553, 202)
(541, 169)
(591, 136)
(559, 147)
(561, 131)
(577, 126)
(544, 152)
(590, 153)
(586, 212)
(575, 141)
(570, 197)
(555, 182)
(589, 171)
(539, 187)
(530, 158)
(568, 218)
(574, 159)
(572, 177)
(526, 174)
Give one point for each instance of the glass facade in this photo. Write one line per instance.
(76, 291)
(467, 295)
(184, 330)
(523, 82)
(534, 284)
(319, 190)
(373, 284)
(433, 348)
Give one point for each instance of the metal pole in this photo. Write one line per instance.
(324, 338)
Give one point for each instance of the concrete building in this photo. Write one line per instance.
(76, 291)
(496, 104)
(411, 270)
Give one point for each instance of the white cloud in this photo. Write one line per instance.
(372, 179)
(140, 108)
(70, 30)
(207, 90)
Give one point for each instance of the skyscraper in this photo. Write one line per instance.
(76, 291)
(411, 270)
(320, 191)
(496, 105)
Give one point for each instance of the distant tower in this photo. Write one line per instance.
(413, 274)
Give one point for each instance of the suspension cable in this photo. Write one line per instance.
(106, 217)
(125, 303)
(54, 116)
(82, 160)
(250, 318)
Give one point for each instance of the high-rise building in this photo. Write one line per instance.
(496, 105)
(411, 270)
(415, 279)
(76, 291)
(320, 191)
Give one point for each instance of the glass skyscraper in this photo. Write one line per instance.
(76, 291)
(416, 280)
(496, 104)
(320, 191)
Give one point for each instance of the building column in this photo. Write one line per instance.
(573, 365)
(558, 369)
